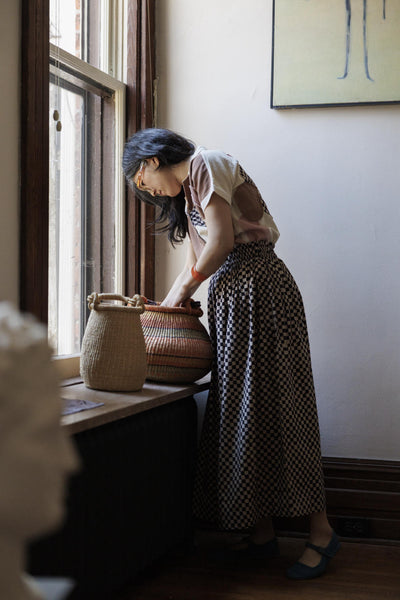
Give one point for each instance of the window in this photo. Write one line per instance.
(78, 232)
(86, 135)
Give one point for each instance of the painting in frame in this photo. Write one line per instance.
(335, 52)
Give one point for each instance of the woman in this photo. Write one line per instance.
(259, 453)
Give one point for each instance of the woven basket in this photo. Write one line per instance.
(177, 343)
(113, 354)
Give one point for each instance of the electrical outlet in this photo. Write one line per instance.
(355, 527)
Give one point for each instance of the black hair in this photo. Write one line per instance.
(170, 148)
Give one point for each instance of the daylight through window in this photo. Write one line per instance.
(86, 135)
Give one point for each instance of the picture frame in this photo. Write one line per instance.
(335, 53)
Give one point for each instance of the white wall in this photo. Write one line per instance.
(9, 147)
(330, 177)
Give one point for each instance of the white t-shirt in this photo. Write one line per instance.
(213, 171)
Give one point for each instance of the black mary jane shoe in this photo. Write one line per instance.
(269, 549)
(301, 571)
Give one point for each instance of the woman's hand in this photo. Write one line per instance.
(181, 290)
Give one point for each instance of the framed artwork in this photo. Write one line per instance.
(335, 53)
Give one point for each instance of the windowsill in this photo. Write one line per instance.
(67, 365)
(118, 405)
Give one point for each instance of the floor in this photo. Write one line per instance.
(359, 572)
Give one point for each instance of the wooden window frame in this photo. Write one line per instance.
(34, 154)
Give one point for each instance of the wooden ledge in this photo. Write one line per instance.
(118, 405)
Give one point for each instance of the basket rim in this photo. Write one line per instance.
(188, 309)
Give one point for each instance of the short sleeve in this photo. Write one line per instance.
(213, 172)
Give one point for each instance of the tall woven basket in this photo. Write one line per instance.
(113, 354)
(177, 343)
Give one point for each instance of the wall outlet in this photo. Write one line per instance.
(355, 527)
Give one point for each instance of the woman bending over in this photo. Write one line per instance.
(259, 455)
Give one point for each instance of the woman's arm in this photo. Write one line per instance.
(220, 241)
(220, 235)
(175, 291)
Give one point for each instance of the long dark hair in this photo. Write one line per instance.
(170, 148)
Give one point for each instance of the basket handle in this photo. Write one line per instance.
(95, 299)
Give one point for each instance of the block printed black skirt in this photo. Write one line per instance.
(259, 452)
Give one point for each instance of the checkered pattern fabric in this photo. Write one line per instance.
(197, 221)
(259, 452)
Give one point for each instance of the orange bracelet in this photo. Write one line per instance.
(200, 277)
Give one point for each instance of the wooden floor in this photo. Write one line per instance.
(358, 572)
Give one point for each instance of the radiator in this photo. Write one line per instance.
(129, 505)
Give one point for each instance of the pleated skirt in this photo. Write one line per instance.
(259, 453)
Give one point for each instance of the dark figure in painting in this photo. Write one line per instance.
(348, 37)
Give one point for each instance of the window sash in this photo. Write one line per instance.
(34, 205)
(71, 68)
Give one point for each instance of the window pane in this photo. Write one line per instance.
(75, 26)
(65, 223)
(81, 206)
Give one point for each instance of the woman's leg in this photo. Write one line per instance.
(262, 534)
(320, 535)
(263, 531)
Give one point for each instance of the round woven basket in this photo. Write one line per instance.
(178, 347)
(113, 354)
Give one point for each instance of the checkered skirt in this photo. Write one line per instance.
(259, 452)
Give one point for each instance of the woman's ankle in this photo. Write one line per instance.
(320, 528)
(263, 531)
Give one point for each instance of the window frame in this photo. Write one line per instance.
(34, 152)
(101, 240)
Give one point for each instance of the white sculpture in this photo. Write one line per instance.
(35, 454)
